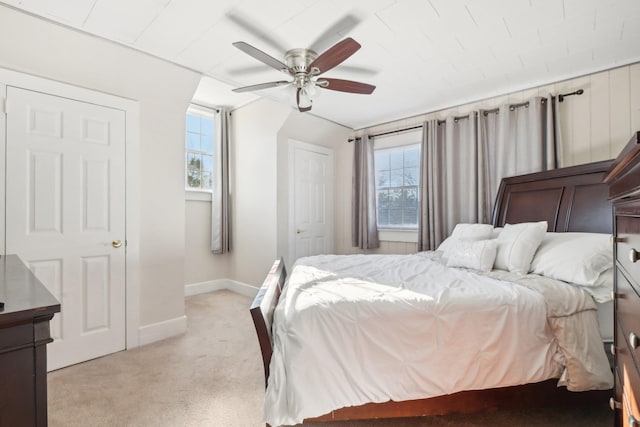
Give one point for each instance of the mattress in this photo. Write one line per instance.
(354, 329)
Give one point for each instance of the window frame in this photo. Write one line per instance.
(398, 141)
(199, 194)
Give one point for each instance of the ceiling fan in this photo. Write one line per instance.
(304, 66)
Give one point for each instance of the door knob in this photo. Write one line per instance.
(298, 231)
(116, 243)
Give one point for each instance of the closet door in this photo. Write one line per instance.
(65, 218)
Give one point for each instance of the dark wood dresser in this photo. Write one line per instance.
(623, 179)
(24, 333)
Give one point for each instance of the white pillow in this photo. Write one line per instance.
(471, 232)
(573, 257)
(516, 245)
(476, 255)
(601, 290)
(496, 232)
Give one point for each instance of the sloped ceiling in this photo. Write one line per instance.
(422, 55)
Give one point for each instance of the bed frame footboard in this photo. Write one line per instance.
(263, 307)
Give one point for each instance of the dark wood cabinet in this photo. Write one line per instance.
(624, 190)
(24, 334)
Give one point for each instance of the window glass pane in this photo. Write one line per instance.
(410, 217)
(207, 163)
(194, 161)
(382, 179)
(199, 148)
(410, 196)
(395, 159)
(193, 141)
(193, 123)
(412, 157)
(395, 217)
(207, 143)
(383, 216)
(396, 178)
(383, 199)
(382, 160)
(207, 180)
(411, 176)
(193, 178)
(206, 126)
(395, 199)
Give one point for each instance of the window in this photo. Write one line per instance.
(199, 145)
(397, 179)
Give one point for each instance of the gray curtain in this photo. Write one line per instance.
(462, 162)
(364, 228)
(220, 241)
(519, 140)
(449, 186)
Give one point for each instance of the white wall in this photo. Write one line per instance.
(259, 185)
(253, 183)
(594, 126)
(38, 47)
(200, 264)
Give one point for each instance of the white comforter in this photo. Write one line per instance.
(371, 328)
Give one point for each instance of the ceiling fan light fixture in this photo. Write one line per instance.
(311, 89)
(305, 100)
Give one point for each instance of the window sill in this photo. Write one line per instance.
(198, 196)
(391, 235)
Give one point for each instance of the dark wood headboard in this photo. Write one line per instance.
(569, 199)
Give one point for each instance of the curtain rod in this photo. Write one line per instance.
(387, 133)
(208, 107)
(456, 118)
(562, 95)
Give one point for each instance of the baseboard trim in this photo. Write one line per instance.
(168, 328)
(220, 284)
(243, 289)
(204, 287)
(161, 330)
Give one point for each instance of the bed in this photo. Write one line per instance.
(569, 200)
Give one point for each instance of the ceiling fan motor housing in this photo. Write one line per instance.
(298, 61)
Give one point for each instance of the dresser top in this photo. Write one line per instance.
(624, 173)
(23, 295)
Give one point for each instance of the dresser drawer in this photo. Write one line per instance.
(628, 308)
(628, 245)
(16, 336)
(630, 411)
(629, 378)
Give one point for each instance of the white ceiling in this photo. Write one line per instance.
(422, 55)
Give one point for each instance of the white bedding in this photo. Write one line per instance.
(371, 328)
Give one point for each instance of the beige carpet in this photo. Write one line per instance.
(212, 376)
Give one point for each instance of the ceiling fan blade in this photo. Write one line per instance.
(333, 34)
(335, 55)
(261, 86)
(345, 86)
(261, 56)
(302, 109)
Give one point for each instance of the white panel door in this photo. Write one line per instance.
(312, 200)
(65, 206)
